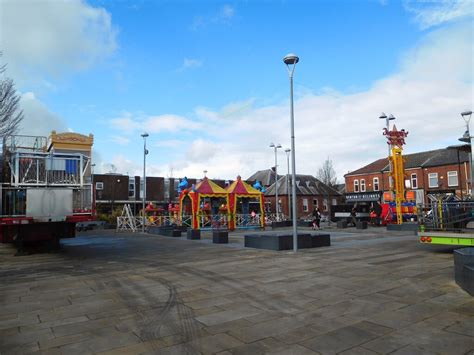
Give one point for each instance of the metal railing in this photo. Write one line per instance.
(247, 220)
(446, 216)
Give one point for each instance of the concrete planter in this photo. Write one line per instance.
(220, 236)
(320, 240)
(276, 241)
(464, 269)
(193, 234)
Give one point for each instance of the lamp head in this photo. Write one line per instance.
(391, 117)
(383, 116)
(291, 59)
(272, 145)
(278, 145)
(466, 115)
(144, 134)
(287, 150)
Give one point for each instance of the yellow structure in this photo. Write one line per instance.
(398, 174)
(70, 142)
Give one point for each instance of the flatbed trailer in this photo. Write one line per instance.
(447, 238)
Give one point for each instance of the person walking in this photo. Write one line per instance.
(353, 216)
(316, 218)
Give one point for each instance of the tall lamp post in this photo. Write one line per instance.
(275, 147)
(145, 152)
(391, 117)
(287, 151)
(290, 60)
(466, 115)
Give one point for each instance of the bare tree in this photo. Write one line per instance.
(10, 113)
(327, 175)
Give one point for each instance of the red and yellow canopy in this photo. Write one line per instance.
(240, 187)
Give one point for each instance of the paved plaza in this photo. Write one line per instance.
(371, 292)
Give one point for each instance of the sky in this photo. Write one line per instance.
(207, 82)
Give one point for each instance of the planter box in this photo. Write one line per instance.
(320, 240)
(276, 241)
(361, 225)
(193, 234)
(168, 231)
(281, 224)
(220, 236)
(464, 269)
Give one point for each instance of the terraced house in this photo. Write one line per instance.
(431, 174)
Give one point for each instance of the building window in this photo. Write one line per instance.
(433, 180)
(99, 185)
(362, 185)
(376, 184)
(390, 181)
(334, 202)
(315, 202)
(131, 188)
(356, 185)
(452, 178)
(414, 181)
(325, 205)
(305, 205)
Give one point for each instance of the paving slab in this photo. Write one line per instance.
(370, 292)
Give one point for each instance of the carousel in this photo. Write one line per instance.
(246, 204)
(207, 205)
(204, 206)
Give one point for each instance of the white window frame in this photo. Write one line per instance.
(430, 176)
(414, 181)
(131, 188)
(334, 202)
(305, 205)
(325, 205)
(453, 173)
(376, 184)
(99, 185)
(362, 185)
(356, 185)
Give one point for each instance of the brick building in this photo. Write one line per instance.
(310, 193)
(112, 191)
(435, 172)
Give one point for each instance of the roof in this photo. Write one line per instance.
(207, 187)
(305, 185)
(242, 188)
(438, 157)
(266, 177)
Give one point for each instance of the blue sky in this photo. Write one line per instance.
(206, 80)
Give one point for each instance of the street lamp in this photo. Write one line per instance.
(466, 115)
(287, 151)
(290, 60)
(145, 152)
(275, 147)
(383, 116)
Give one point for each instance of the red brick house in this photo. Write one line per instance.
(435, 172)
(310, 193)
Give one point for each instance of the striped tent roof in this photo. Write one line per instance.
(242, 188)
(209, 187)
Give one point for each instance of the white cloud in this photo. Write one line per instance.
(190, 63)
(434, 84)
(53, 37)
(38, 119)
(129, 124)
(437, 12)
(120, 140)
(223, 16)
